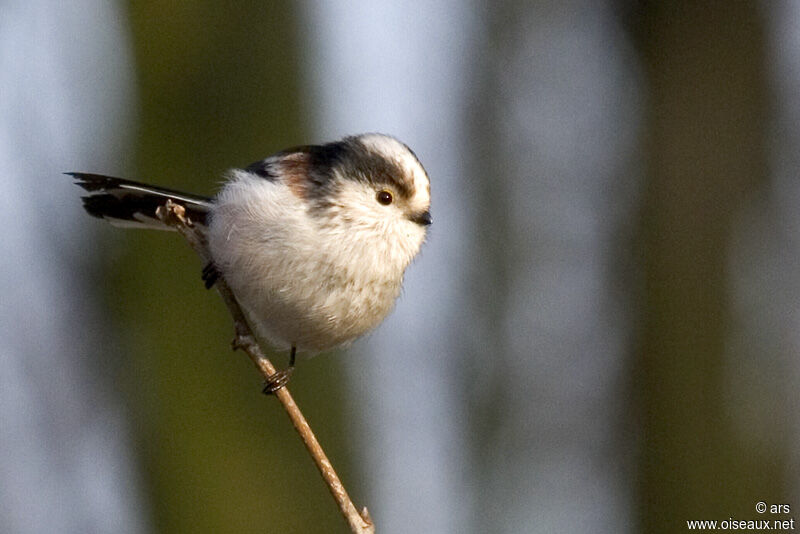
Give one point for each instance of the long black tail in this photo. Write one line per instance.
(131, 204)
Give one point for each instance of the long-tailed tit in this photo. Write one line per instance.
(313, 241)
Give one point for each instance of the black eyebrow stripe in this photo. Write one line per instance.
(353, 158)
(357, 161)
(377, 170)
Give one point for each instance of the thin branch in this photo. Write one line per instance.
(174, 215)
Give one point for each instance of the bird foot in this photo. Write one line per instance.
(277, 380)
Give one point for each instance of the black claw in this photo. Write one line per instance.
(210, 274)
(280, 378)
(277, 380)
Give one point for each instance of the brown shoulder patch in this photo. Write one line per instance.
(295, 168)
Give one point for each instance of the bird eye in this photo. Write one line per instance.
(385, 197)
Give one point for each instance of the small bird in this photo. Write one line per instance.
(313, 241)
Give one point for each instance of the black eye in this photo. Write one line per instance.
(385, 197)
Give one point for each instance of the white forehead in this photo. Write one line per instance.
(394, 150)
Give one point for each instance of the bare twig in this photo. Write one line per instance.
(174, 215)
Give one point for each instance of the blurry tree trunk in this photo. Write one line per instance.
(705, 151)
(219, 87)
(553, 196)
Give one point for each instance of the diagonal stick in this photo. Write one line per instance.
(174, 215)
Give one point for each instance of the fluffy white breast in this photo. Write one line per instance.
(305, 281)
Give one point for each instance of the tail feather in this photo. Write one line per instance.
(132, 204)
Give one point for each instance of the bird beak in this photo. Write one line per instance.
(423, 219)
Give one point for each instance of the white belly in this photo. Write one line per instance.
(299, 288)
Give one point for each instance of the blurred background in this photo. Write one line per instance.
(601, 335)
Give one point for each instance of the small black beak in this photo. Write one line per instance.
(423, 219)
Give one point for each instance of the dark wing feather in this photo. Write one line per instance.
(132, 204)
